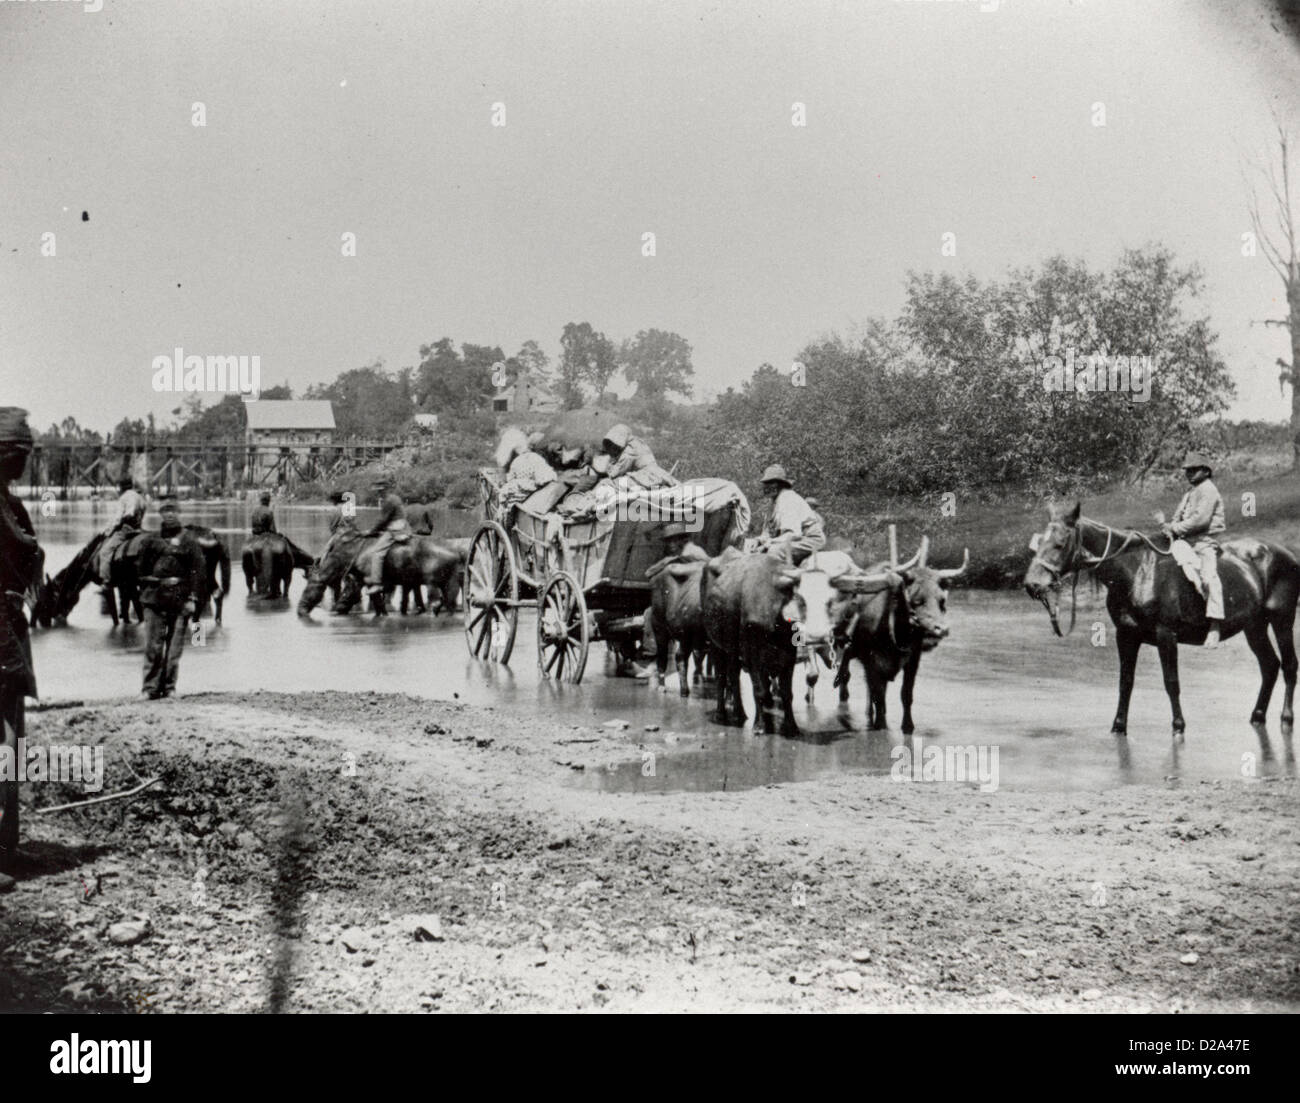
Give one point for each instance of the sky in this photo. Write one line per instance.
(923, 117)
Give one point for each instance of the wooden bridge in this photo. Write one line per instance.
(205, 468)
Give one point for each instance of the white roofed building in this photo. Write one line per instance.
(281, 429)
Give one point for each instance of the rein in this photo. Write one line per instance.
(1076, 552)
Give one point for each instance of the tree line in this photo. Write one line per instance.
(953, 394)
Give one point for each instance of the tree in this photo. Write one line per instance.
(659, 364)
(368, 402)
(1283, 253)
(225, 421)
(455, 385)
(586, 356)
(951, 397)
(534, 362)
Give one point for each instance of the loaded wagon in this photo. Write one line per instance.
(586, 572)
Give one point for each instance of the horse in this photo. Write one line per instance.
(410, 564)
(269, 560)
(57, 596)
(1151, 601)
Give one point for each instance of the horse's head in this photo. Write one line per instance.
(45, 607)
(327, 571)
(1056, 554)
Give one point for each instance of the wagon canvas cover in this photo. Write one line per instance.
(615, 541)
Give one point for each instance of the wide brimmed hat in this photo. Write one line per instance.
(15, 433)
(676, 528)
(776, 474)
(618, 436)
(1197, 459)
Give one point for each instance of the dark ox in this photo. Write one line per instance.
(677, 617)
(889, 631)
(1150, 600)
(758, 613)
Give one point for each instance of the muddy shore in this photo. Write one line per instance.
(345, 852)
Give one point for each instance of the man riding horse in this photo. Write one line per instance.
(126, 524)
(390, 529)
(1198, 521)
(1151, 601)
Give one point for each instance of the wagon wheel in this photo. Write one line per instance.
(563, 634)
(491, 595)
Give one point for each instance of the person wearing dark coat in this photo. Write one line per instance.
(21, 565)
(391, 528)
(171, 578)
(263, 518)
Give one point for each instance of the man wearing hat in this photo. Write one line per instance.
(21, 563)
(631, 456)
(793, 530)
(126, 523)
(388, 530)
(171, 576)
(1198, 520)
(419, 516)
(263, 518)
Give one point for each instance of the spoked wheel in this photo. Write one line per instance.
(563, 634)
(491, 595)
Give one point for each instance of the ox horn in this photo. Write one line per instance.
(953, 572)
(918, 559)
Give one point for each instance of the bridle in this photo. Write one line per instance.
(1075, 551)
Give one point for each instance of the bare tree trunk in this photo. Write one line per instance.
(1293, 301)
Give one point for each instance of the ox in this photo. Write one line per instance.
(889, 632)
(758, 613)
(677, 617)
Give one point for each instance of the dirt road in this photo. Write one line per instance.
(383, 853)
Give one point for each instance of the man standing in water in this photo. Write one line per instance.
(21, 561)
(171, 577)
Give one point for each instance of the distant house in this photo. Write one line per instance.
(280, 427)
(527, 395)
(425, 423)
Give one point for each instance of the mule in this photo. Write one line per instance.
(269, 560)
(1151, 601)
(409, 564)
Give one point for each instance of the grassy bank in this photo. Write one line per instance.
(997, 532)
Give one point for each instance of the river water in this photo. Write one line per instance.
(1001, 682)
